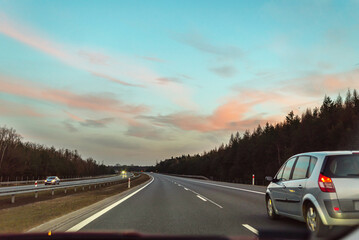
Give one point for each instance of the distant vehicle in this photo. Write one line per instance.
(319, 188)
(52, 180)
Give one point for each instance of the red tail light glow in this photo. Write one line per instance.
(326, 184)
(336, 209)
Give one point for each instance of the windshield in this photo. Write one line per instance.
(180, 117)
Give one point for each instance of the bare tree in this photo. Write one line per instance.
(8, 138)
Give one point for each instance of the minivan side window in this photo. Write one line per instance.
(288, 169)
(313, 161)
(280, 173)
(301, 167)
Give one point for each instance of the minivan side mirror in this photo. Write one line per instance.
(269, 178)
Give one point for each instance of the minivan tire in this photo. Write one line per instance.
(314, 222)
(270, 209)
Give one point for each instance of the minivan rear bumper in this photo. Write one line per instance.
(339, 217)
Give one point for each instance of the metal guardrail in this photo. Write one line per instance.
(62, 180)
(36, 190)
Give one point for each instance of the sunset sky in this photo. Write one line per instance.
(140, 81)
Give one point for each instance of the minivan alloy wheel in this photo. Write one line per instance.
(270, 207)
(312, 219)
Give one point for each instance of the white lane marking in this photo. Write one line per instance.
(207, 199)
(103, 211)
(240, 189)
(202, 198)
(250, 228)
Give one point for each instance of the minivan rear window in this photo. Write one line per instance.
(343, 166)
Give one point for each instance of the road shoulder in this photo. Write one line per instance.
(67, 221)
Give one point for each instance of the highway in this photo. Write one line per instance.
(174, 205)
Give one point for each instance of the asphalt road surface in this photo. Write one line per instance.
(173, 205)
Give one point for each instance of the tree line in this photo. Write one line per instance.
(32, 161)
(332, 126)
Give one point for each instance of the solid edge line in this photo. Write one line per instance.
(224, 186)
(203, 199)
(103, 211)
(250, 228)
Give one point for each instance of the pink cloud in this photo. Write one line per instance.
(95, 58)
(29, 37)
(320, 84)
(14, 109)
(228, 116)
(153, 59)
(167, 80)
(115, 80)
(74, 117)
(236, 114)
(92, 102)
(109, 68)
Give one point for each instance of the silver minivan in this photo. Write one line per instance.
(319, 188)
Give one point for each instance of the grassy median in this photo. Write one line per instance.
(24, 215)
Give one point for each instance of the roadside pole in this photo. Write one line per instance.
(129, 182)
(253, 179)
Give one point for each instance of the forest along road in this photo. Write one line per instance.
(174, 205)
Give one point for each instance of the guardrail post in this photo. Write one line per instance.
(13, 198)
(52, 192)
(36, 194)
(65, 191)
(89, 187)
(83, 188)
(94, 186)
(129, 182)
(75, 189)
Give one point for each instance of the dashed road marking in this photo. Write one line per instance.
(202, 198)
(250, 228)
(224, 186)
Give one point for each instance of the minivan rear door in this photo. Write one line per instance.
(344, 172)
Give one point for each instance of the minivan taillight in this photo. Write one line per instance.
(326, 184)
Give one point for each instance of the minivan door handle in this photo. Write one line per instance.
(300, 186)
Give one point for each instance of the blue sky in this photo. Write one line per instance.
(139, 81)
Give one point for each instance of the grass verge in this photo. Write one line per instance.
(25, 216)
